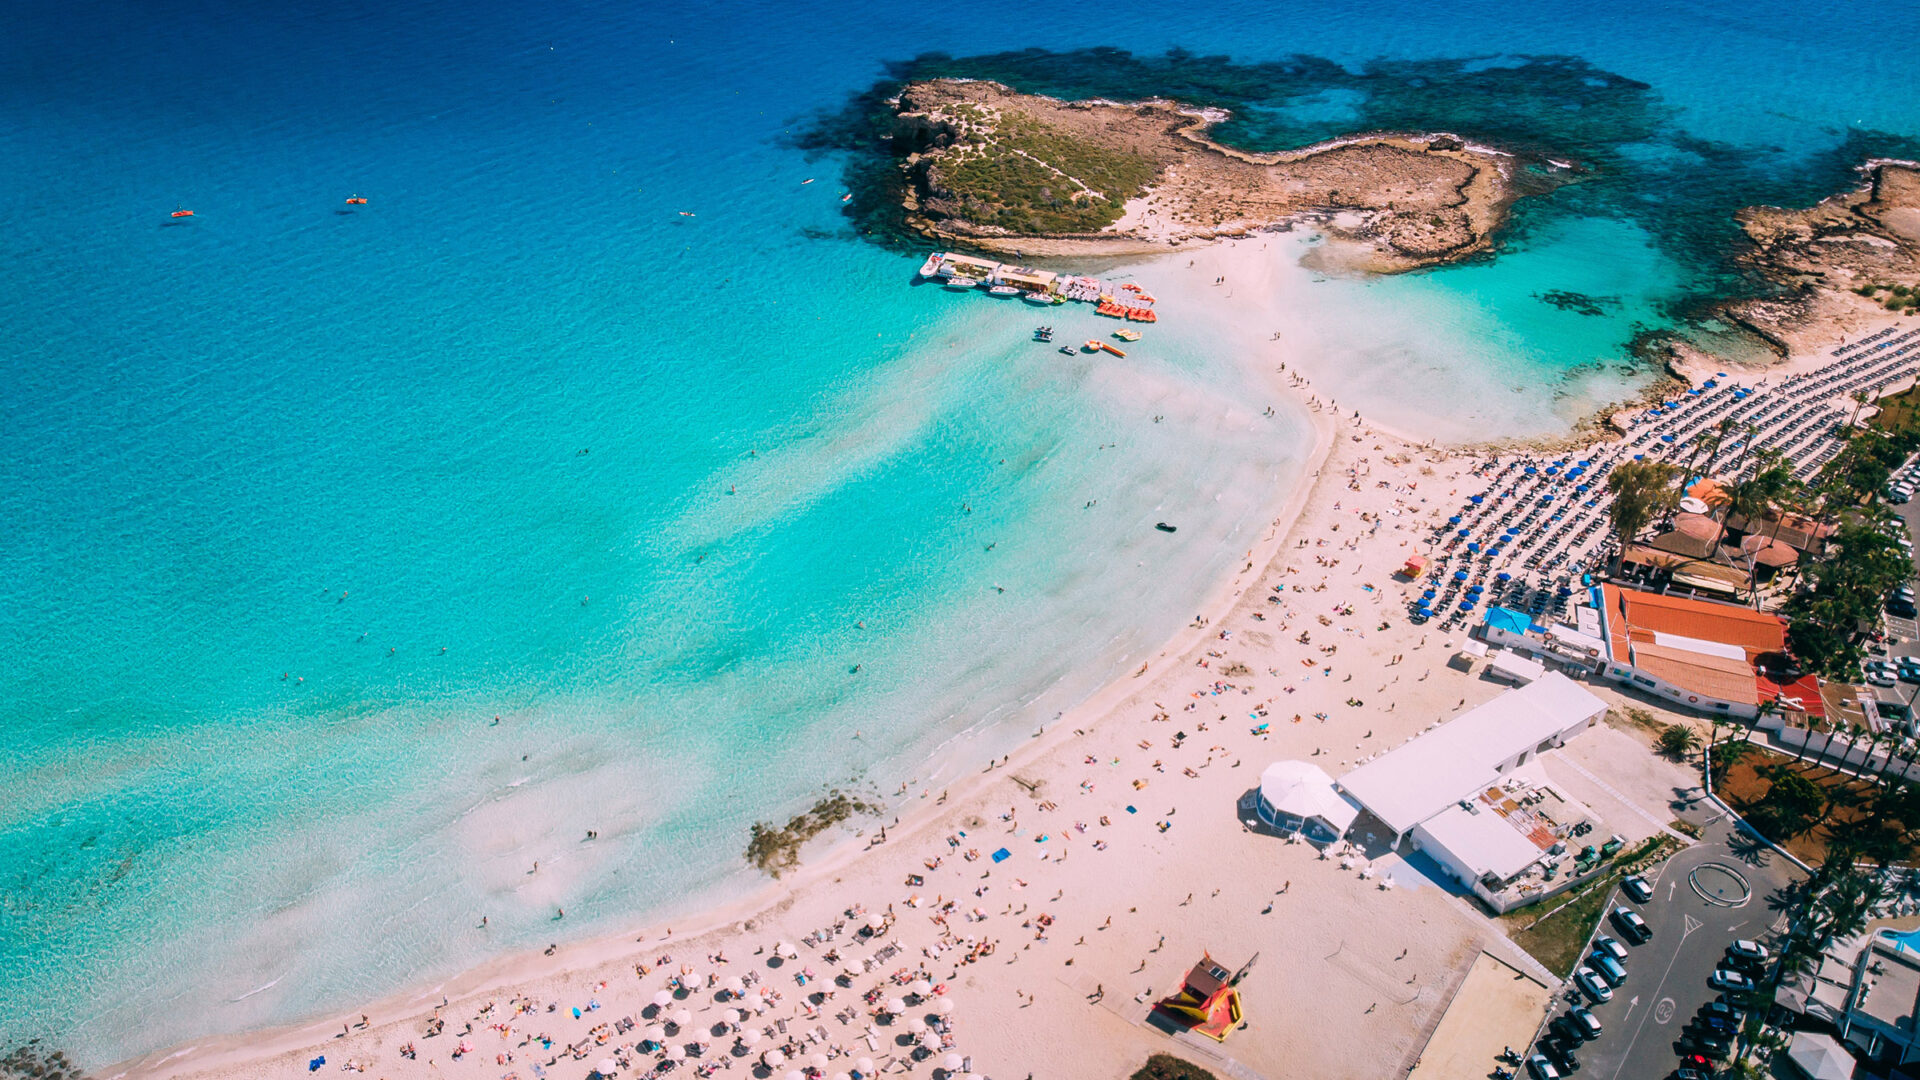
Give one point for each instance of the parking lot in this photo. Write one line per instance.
(1724, 888)
(1903, 634)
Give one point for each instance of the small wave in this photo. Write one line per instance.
(256, 990)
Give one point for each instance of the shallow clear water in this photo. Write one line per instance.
(642, 476)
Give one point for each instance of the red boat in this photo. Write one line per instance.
(182, 213)
(355, 200)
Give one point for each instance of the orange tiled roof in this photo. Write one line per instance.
(1636, 616)
(1718, 677)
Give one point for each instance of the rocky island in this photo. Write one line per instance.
(986, 166)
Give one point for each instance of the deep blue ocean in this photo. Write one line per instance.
(297, 497)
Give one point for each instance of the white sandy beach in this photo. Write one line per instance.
(1126, 857)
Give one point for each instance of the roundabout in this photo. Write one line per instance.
(1720, 884)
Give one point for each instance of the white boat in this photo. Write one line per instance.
(1038, 298)
(932, 265)
(1003, 290)
(961, 284)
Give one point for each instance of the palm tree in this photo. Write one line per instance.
(1728, 754)
(1719, 440)
(1860, 398)
(1642, 491)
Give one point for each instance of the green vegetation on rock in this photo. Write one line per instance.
(775, 849)
(1023, 176)
(1168, 1067)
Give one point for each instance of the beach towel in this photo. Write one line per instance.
(314, 1065)
(1002, 855)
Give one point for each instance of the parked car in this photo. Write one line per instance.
(1584, 1020)
(1684, 1073)
(1718, 1025)
(1725, 1008)
(1729, 979)
(1636, 886)
(1900, 608)
(1562, 1055)
(1563, 1029)
(1592, 984)
(1540, 1068)
(1711, 1046)
(1631, 925)
(1750, 951)
(1882, 677)
(1605, 944)
(1610, 969)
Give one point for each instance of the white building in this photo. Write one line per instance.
(1460, 759)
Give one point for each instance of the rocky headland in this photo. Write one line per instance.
(989, 167)
(1841, 265)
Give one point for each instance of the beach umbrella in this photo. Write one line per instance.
(897, 1006)
(841, 1076)
(1455, 519)
(751, 1036)
(876, 921)
(731, 1016)
(1459, 575)
(916, 1025)
(1428, 595)
(921, 988)
(676, 1053)
(662, 998)
(1504, 576)
(863, 1066)
(795, 1074)
(1464, 533)
(953, 1062)
(1474, 547)
(930, 1040)
(851, 972)
(1477, 499)
(692, 980)
(654, 1032)
(682, 1017)
(606, 1066)
(818, 1061)
(1545, 499)
(735, 986)
(944, 1006)
(784, 948)
(1466, 605)
(1531, 471)
(773, 1057)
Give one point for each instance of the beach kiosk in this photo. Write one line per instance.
(1207, 1002)
(1415, 566)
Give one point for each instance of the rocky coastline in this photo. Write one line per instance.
(983, 165)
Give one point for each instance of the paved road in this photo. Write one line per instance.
(1667, 977)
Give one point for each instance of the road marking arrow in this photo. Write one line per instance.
(1689, 926)
(1631, 1002)
(1671, 885)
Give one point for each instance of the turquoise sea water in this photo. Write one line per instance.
(642, 476)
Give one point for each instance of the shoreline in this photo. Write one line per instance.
(211, 1056)
(247, 1053)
